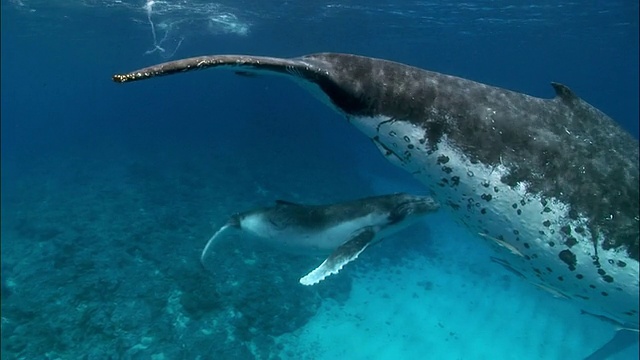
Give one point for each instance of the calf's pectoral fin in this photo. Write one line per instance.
(344, 254)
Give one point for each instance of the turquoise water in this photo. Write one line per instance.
(109, 196)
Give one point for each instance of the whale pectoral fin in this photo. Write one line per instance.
(344, 254)
(622, 339)
(307, 68)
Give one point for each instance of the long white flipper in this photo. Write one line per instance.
(343, 255)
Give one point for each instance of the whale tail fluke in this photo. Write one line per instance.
(212, 241)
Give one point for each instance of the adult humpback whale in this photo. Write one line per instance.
(343, 230)
(554, 182)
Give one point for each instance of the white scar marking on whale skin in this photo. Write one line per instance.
(501, 219)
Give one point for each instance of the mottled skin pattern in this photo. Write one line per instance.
(574, 169)
(563, 148)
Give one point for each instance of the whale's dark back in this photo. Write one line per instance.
(396, 207)
(563, 148)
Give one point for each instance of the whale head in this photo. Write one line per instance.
(406, 206)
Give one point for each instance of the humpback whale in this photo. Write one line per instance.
(343, 230)
(555, 181)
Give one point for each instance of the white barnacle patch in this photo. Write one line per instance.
(557, 250)
(489, 113)
(293, 71)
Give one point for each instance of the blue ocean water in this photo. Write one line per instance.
(109, 194)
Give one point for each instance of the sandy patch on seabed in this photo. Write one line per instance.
(450, 307)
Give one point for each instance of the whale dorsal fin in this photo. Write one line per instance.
(564, 93)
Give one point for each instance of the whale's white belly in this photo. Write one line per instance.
(309, 241)
(538, 228)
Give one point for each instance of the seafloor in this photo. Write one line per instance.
(100, 260)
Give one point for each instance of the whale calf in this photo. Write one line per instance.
(342, 230)
(555, 179)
